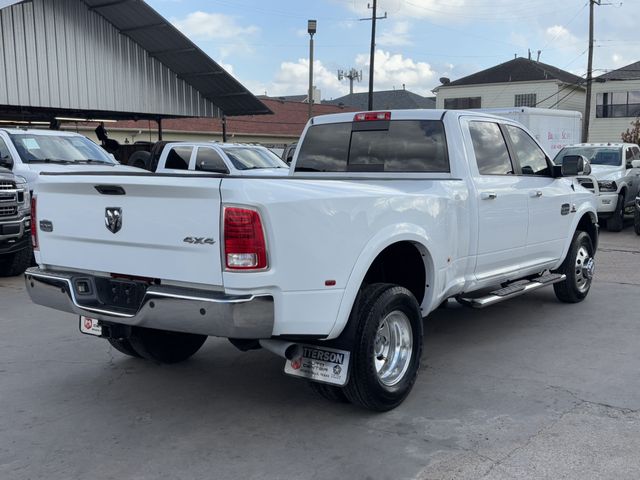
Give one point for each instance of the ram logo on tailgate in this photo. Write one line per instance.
(113, 219)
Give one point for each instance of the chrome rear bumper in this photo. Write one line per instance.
(163, 307)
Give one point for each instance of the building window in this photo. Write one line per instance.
(462, 103)
(618, 104)
(525, 100)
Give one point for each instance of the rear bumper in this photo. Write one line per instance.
(170, 308)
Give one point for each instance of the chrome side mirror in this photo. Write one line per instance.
(573, 165)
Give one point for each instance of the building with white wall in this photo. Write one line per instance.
(615, 103)
(517, 83)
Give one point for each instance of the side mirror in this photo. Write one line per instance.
(212, 167)
(573, 165)
(635, 163)
(6, 162)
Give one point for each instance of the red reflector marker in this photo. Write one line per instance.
(244, 243)
(371, 116)
(330, 283)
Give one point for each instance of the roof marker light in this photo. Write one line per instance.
(371, 116)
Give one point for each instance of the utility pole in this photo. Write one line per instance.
(352, 75)
(373, 19)
(587, 107)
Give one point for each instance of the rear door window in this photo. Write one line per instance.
(492, 155)
(379, 146)
(178, 158)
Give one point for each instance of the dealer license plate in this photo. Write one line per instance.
(90, 326)
(320, 364)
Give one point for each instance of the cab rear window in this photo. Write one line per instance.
(378, 146)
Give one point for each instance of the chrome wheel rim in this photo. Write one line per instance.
(392, 348)
(584, 268)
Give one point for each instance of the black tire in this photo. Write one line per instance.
(636, 220)
(616, 221)
(123, 345)
(16, 263)
(374, 305)
(140, 159)
(163, 346)
(577, 285)
(329, 392)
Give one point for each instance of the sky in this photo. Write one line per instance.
(265, 44)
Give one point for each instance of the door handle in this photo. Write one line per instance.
(535, 194)
(488, 195)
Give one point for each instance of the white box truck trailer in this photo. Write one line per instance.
(554, 129)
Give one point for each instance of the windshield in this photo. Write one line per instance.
(34, 148)
(596, 155)
(247, 158)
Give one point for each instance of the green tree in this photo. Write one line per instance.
(632, 135)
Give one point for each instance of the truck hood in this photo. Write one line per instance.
(606, 172)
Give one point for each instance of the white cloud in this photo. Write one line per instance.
(212, 26)
(395, 70)
(560, 36)
(217, 26)
(397, 36)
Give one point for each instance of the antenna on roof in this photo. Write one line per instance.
(538, 57)
(352, 75)
(529, 50)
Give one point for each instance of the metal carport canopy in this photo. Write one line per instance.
(140, 22)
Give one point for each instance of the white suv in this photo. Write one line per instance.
(616, 167)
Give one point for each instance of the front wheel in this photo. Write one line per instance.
(163, 346)
(579, 267)
(616, 222)
(16, 263)
(386, 352)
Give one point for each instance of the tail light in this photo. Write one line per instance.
(245, 247)
(34, 224)
(371, 116)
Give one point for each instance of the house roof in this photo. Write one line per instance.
(288, 120)
(630, 72)
(391, 99)
(517, 70)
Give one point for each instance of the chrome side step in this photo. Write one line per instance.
(514, 289)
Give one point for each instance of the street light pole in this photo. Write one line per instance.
(311, 28)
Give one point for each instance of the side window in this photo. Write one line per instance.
(178, 158)
(208, 160)
(532, 158)
(490, 148)
(629, 156)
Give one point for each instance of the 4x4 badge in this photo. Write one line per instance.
(113, 219)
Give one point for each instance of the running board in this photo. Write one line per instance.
(514, 289)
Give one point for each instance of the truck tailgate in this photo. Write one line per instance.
(169, 225)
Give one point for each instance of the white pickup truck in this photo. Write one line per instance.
(383, 217)
(615, 178)
(215, 157)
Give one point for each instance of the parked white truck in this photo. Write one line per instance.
(615, 178)
(383, 217)
(15, 224)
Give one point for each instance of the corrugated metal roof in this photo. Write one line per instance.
(108, 59)
(165, 42)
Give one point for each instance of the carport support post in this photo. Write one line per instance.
(159, 129)
(224, 128)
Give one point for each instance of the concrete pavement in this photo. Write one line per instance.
(530, 388)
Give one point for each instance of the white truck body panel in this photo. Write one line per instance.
(553, 129)
(150, 243)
